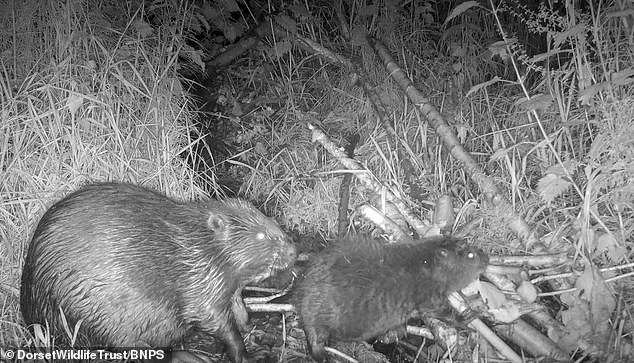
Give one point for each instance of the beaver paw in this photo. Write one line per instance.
(319, 354)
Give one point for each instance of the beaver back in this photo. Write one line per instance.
(362, 288)
(141, 269)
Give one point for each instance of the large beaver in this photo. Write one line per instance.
(140, 269)
(361, 289)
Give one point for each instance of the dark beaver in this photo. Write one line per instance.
(141, 269)
(361, 289)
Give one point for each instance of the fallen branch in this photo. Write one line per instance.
(491, 192)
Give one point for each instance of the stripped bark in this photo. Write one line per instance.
(344, 189)
(364, 177)
(458, 303)
(531, 340)
(449, 139)
(386, 224)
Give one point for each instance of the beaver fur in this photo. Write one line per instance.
(362, 288)
(140, 269)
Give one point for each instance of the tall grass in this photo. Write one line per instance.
(90, 98)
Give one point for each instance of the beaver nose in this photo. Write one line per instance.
(483, 256)
(291, 252)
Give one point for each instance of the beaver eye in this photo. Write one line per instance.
(471, 255)
(260, 236)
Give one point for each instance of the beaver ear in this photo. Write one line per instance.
(215, 222)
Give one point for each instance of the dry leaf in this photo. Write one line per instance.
(527, 291)
(492, 296)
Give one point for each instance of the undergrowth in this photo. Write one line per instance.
(82, 102)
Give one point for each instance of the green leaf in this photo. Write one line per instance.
(560, 169)
(587, 94)
(460, 9)
(142, 28)
(607, 243)
(623, 77)
(491, 295)
(500, 154)
(501, 47)
(572, 32)
(551, 186)
(74, 102)
(477, 87)
(537, 102)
